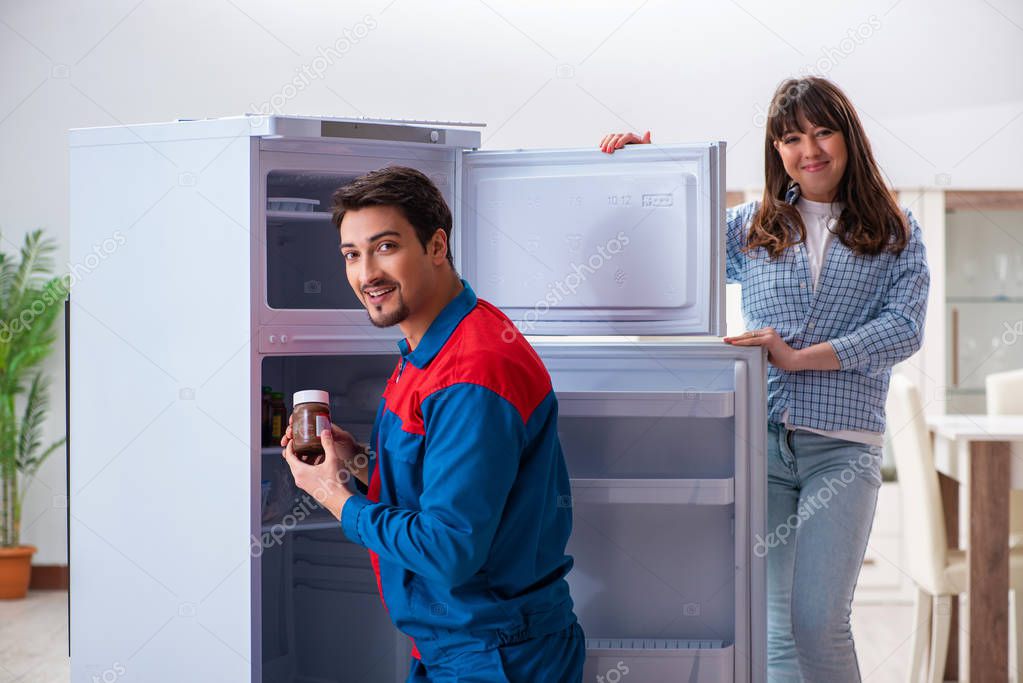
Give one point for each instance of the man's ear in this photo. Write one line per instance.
(438, 247)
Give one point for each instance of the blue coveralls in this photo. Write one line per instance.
(468, 511)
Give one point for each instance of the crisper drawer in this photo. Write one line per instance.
(658, 661)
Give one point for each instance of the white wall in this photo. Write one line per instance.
(938, 84)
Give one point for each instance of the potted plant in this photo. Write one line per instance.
(30, 299)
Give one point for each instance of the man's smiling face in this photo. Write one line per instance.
(386, 264)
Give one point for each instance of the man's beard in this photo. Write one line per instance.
(394, 318)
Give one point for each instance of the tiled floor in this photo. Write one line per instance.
(33, 640)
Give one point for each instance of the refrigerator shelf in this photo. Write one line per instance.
(605, 403)
(654, 491)
(652, 644)
(653, 661)
(320, 519)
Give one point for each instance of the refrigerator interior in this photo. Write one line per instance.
(304, 267)
(322, 619)
(652, 463)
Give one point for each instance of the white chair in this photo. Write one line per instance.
(940, 572)
(1005, 397)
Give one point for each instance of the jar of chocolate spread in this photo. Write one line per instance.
(309, 418)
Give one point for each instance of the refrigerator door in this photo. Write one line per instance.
(580, 242)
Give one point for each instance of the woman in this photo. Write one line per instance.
(834, 286)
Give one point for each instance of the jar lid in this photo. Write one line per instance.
(312, 396)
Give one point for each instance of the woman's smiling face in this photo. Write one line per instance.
(815, 157)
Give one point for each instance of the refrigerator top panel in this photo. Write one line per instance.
(581, 242)
(450, 134)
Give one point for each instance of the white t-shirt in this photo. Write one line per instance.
(819, 219)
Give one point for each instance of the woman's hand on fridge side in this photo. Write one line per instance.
(820, 356)
(779, 353)
(613, 141)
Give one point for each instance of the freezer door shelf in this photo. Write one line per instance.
(703, 403)
(658, 661)
(574, 241)
(654, 491)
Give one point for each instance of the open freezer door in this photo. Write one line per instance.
(578, 242)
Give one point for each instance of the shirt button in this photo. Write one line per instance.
(810, 326)
(802, 285)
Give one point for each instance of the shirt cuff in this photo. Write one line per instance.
(350, 512)
(851, 354)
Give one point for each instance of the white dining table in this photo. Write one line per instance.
(975, 452)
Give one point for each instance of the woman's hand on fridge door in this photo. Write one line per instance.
(819, 356)
(613, 141)
(325, 480)
(779, 353)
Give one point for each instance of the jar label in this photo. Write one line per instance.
(322, 422)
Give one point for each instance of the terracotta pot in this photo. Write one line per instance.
(15, 571)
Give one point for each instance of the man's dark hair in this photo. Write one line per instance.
(405, 188)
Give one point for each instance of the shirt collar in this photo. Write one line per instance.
(792, 193)
(440, 329)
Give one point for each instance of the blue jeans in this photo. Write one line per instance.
(821, 494)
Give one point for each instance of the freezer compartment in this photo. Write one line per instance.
(303, 275)
(658, 661)
(322, 615)
(654, 571)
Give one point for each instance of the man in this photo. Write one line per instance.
(464, 517)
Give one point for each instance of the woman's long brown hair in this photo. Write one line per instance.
(871, 221)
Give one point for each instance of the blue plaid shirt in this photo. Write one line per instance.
(871, 309)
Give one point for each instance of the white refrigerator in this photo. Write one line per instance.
(208, 268)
